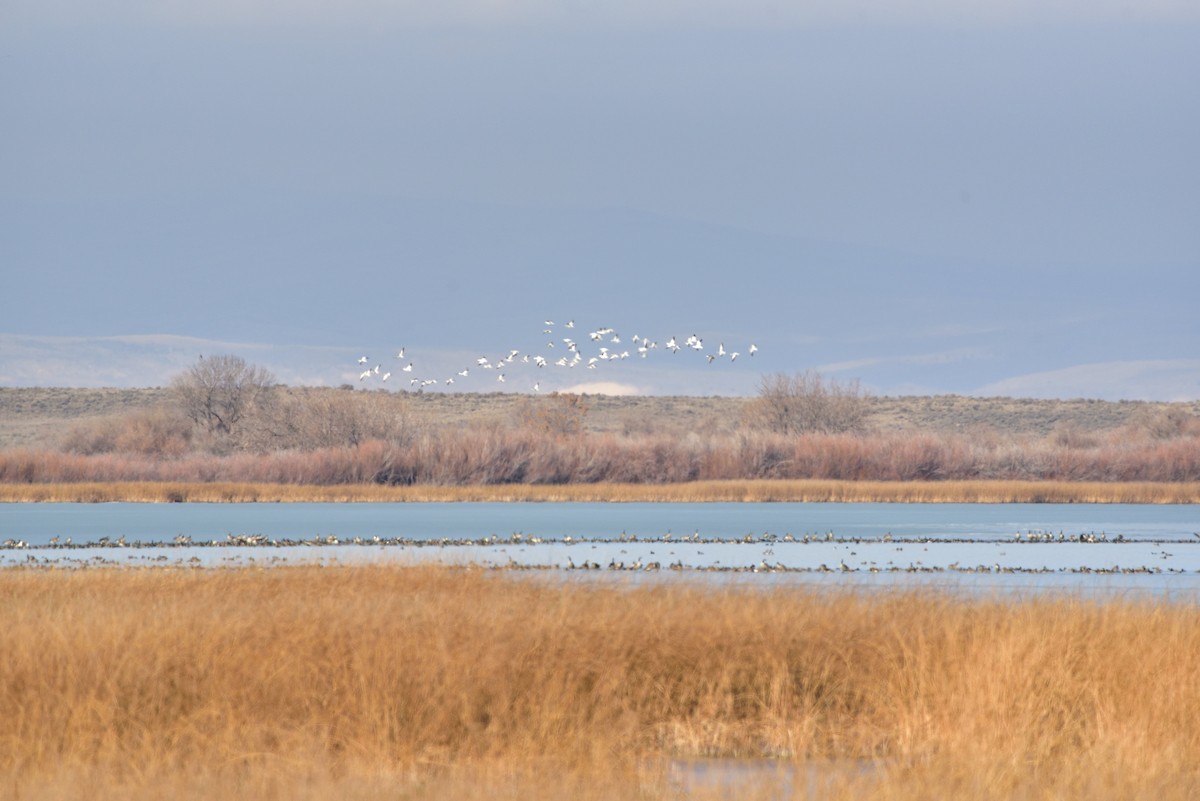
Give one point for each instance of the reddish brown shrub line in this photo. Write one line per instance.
(481, 457)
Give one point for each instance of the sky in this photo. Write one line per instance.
(924, 196)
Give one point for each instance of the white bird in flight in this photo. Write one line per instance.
(604, 337)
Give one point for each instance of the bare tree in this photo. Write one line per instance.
(219, 391)
(807, 403)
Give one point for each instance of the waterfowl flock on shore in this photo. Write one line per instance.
(771, 554)
(562, 350)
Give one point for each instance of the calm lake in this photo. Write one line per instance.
(1024, 545)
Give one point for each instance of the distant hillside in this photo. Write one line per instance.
(38, 417)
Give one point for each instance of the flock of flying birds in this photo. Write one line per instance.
(605, 343)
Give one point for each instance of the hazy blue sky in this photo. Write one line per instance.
(930, 196)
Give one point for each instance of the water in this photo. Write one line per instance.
(718, 778)
(38, 523)
(1009, 546)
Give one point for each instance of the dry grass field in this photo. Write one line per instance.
(400, 683)
(39, 417)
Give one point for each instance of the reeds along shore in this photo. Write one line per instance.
(482, 457)
(814, 491)
(368, 682)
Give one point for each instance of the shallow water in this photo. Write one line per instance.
(38, 523)
(714, 778)
(1102, 548)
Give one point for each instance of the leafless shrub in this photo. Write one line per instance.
(327, 419)
(558, 414)
(806, 403)
(1165, 423)
(636, 423)
(1071, 435)
(92, 436)
(158, 431)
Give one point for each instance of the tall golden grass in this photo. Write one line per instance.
(386, 682)
(813, 490)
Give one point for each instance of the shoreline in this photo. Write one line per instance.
(733, 491)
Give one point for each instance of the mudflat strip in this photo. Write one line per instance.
(750, 491)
